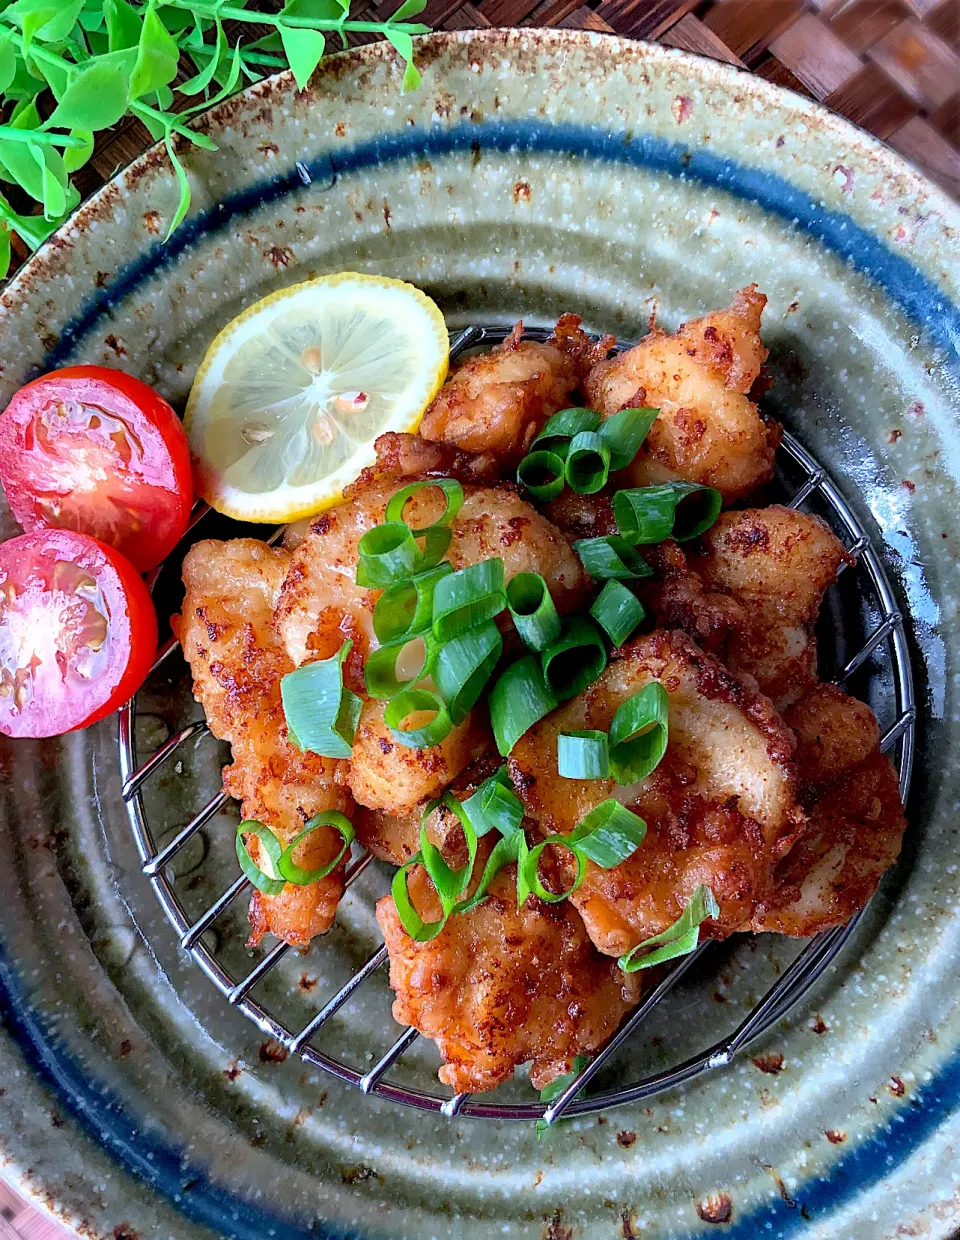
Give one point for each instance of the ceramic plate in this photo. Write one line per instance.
(533, 173)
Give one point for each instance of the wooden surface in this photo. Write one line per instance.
(18, 1221)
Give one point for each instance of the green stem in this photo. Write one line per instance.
(228, 12)
(10, 133)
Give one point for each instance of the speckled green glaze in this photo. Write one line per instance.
(495, 235)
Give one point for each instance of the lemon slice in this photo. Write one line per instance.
(291, 395)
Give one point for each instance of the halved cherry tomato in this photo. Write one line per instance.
(97, 451)
(78, 632)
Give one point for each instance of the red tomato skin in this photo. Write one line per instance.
(132, 631)
(159, 487)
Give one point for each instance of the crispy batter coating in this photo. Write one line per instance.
(320, 597)
(720, 808)
(856, 820)
(497, 987)
(772, 566)
(496, 402)
(708, 430)
(229, 641)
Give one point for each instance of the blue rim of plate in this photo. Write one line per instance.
(162, 1166)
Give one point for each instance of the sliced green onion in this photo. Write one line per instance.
(388, 553)
(609, 834)
(435, 544)
(576, 660)
(542, 473)
(495, 804)
(680, 510)
(556, 1088)
(264, 877)
(419, 930)
(517, 700)
(505, 852)
(448, 882)
(528, 876)
(405, 609)
(322, 715)
(452, 493)
(533, 610)
(436, 537)
(638, 734)
(618, 611)
(294, 873)
(463, 665)
(380, 670)
(624, 432)
(697, 509)
(467, 598)
(677, 940)
(412, 701)
(588, 463)
(563, 427)
(611, 557)
(583, 755)
(645, 514)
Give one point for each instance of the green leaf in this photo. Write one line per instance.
(404, 45)
(57, 71)
(123, 24)
(50, 21)
(322, 10)
(8, 61)
(25, 84)
(184, 204)
(164, 98)
(304, 49)
(176, 20)
(91, 15)
(52, 186)
(158, 57)
(75, 157)
(409, 8)
(34, 229)
(96, 98)
(194, 85)
(4, 251)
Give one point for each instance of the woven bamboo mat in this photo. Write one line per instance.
(18, 1221)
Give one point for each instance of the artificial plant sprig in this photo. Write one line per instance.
(72, 68)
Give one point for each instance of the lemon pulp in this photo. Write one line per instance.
(291, 395)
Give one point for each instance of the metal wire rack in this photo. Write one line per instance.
(887, 642)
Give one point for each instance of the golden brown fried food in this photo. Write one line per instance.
(720, 808)
(498, 988)
(396, 837)
(498, 401)
(856, 820)
(708, 430)
(229, 641)
(386, 775)
(320, 600)
(773, 566)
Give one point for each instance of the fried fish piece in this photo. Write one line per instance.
(320, 596)
(496, 402)
(856, 820)
(708, 430)
(226, 629)
(499, 986)
(721, 808)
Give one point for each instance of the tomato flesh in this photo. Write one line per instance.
(78, 632)
(95, 450)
